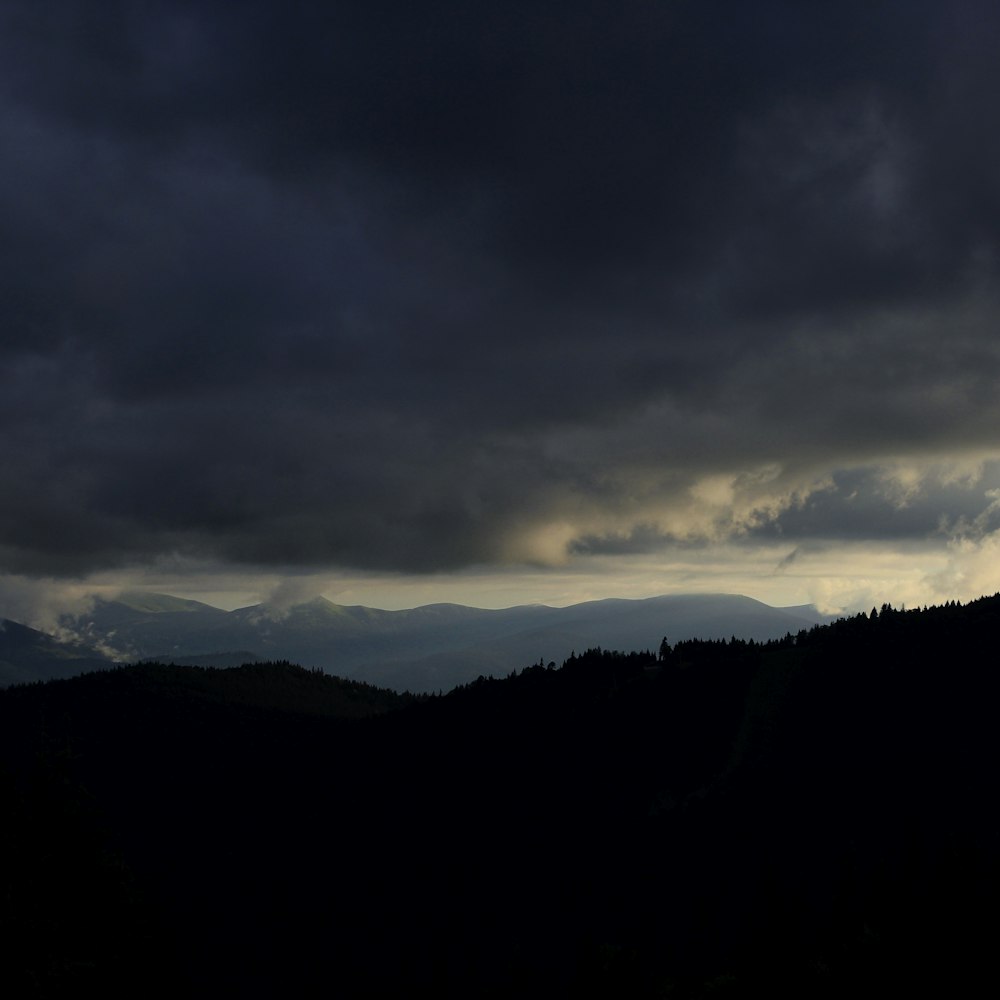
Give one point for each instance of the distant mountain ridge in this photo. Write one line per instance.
(433, 647)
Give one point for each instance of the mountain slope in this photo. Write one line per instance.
(27, 655)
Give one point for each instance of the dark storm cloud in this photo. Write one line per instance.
(393, 285)
(862, 503)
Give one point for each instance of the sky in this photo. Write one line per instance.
(400, 302)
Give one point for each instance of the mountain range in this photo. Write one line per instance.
(425, 649)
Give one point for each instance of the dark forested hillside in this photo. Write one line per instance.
(811, 816)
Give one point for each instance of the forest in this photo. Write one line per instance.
(813, 816)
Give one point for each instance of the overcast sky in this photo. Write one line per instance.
(402, 302)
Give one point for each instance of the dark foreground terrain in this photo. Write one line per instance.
(809, 817)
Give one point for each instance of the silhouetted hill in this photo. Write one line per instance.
(115, 787)
(811, 816)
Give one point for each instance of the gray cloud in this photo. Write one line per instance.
(399, 288)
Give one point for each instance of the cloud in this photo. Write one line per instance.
(973, 547)
(293, 290)
(971, 569)
(41, 603)
(287, 594)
